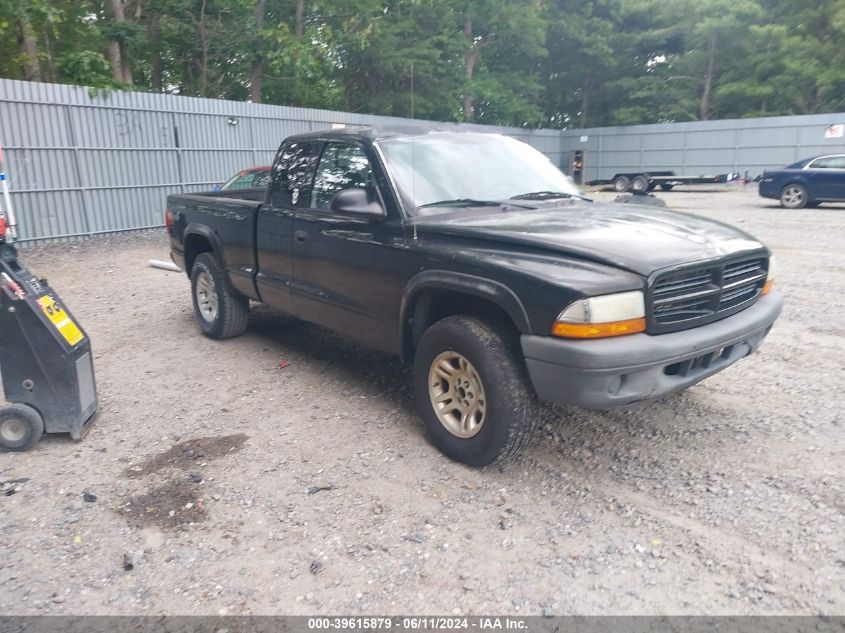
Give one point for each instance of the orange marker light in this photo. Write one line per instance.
(598, 330)
(768, 285)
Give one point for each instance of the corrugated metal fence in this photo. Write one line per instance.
(81, 163)
(703, 147)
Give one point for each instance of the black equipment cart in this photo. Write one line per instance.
(45, 360)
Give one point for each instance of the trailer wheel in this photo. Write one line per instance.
(667, 186)
(621, 183)
(21, 427)
(220, 313)
(639, 184)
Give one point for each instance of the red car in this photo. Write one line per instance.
(247, 179)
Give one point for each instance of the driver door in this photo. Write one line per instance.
(342, 278)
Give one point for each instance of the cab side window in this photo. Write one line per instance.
(829, 162)
(341, 167)
(290, 179)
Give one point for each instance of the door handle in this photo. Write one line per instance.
(300, 236)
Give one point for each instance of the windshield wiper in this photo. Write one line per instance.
(472, 202)
(549, 195)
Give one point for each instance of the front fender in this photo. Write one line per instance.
(482, 287)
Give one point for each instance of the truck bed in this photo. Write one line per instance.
(215, 216)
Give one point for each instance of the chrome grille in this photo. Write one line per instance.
(685, 298)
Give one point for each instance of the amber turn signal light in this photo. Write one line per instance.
(598, 330)
(768, 285)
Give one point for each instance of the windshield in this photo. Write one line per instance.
(466, 166)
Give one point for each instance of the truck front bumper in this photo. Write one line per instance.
(628, 370)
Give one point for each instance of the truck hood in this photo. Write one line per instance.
(636, 238)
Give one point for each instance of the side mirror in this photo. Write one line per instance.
(355, 203)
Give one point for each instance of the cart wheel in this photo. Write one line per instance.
(20, 427)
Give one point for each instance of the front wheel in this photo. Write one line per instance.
(794, 196)
(472, 391)
(220, 313)
(21, 427)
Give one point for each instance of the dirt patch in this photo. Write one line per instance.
(172, 505)
(179, 502)
(189, 454)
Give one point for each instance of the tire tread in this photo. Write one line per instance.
(522, 415)
(232, 310)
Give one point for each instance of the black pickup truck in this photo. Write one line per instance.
(474, 258)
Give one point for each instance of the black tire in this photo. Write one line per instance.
(231, 315)
(511, 412)
(21, 427)
(639, 184)
(794, 196)
(621, 184)
(666, 186)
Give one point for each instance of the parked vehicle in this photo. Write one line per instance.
(807, 183)
(643, 182)
(253, 177)
(475, 259)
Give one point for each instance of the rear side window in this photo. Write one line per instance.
(829, 162)
(244, 180)
(290, 180)
(261, 179)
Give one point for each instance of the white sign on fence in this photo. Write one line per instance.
(834, 131)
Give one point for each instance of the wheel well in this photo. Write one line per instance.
(793, 182)
(195, 245)
(430, 306)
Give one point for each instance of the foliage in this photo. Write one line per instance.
(560, 63)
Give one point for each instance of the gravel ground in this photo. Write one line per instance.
(225, 484)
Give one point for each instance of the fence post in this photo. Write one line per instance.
(77, 169)
(178, 145)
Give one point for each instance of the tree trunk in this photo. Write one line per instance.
(120, 68)
(257, 75)
(471, 57)
(300, 18)
(704, 110)
(585, 103)
(29, 51)
(203, 52)
(154, 35)
(50, 71)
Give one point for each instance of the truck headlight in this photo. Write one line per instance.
(770, 278)
(599, 317)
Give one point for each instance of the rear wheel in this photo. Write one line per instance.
(21, 427)
(794, 196)
(621, 183)
(473, 392)
(220, 313)
(639, 184)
